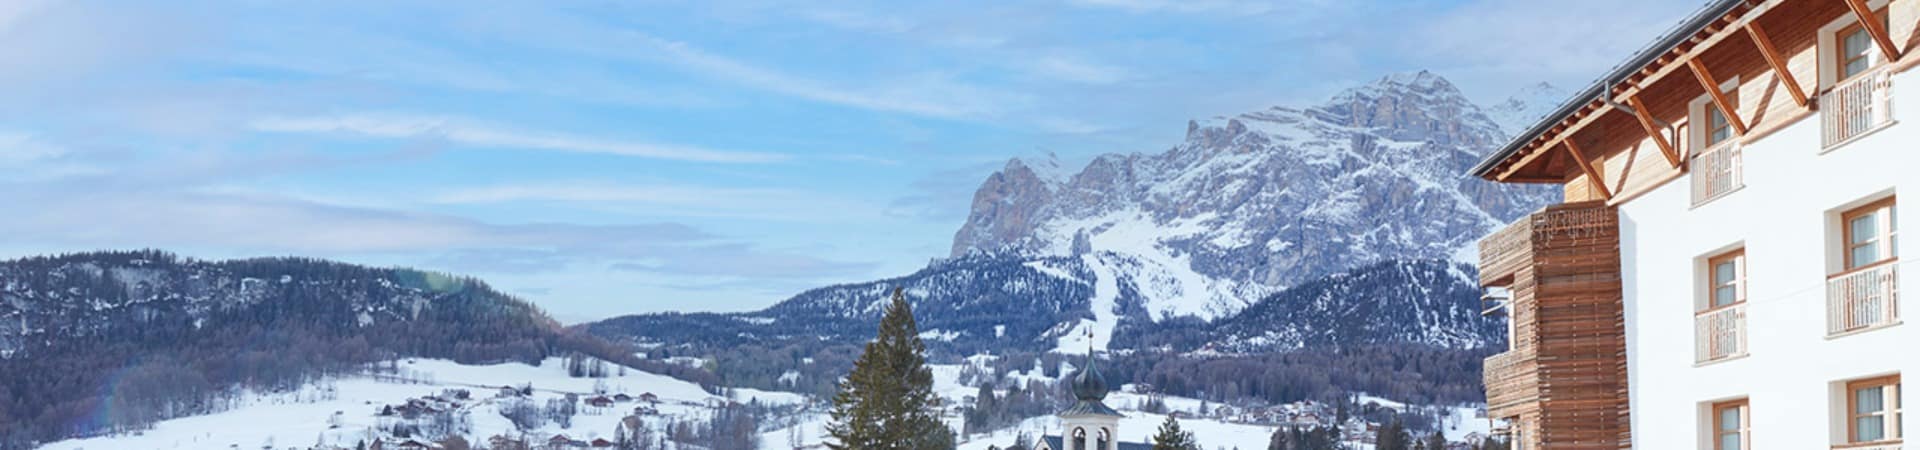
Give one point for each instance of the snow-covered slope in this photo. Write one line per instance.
(1526, 106)
(307, 417)
(1252, 203)
(1391, 303)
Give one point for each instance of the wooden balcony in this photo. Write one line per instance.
(1510, 379)
(1716, 172)
(1864, 298)
(1566, 225)
(1563, 383)
(1856, 107)
(1720, 333)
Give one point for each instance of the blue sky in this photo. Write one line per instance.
(602, 158)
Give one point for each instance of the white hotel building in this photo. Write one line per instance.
(1725, 271)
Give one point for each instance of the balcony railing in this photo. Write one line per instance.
(1893, 445)
(1716, 172)
(1863, 298)
(1720, 333)
(1854, 108)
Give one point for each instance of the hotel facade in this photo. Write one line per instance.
(1724, 272)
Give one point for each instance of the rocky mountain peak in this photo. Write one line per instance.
(1418, 106)
(1255, 202)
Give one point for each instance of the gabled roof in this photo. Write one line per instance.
(1089, 408)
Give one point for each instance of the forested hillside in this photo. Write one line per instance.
(114, 341)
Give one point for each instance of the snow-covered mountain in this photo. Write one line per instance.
(1526, 106)
(1256, 202)
(1281, 229)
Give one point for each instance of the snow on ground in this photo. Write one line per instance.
(1138, 427)
(300, 419)
(1106, 292)
(744, 395)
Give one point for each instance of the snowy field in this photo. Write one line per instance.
(306, 418)
(301, 419)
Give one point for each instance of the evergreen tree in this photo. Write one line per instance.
(1436, 441)
(887, 401)
(1171, 437)
(1393, 436)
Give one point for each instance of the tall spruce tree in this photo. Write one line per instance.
(887, 401)
(1393, 436)
(1436, 441)
(1171, 437)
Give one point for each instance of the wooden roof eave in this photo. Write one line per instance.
(1734, 23)
(1545, 149)
(1677, 58)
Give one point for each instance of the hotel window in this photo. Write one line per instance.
(1856, 48)
(1715, 129)
(1728, 276)
(1719, 129)
(1871, 234)
(1730, 422)
(1873, 410)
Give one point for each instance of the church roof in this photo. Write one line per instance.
(1088, 385)
(1090, 388)
(1089, 408)
(1054, 443)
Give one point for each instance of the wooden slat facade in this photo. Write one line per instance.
(1564, 380)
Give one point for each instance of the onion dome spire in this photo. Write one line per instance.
(1088, 385)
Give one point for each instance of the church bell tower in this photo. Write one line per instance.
(1089, 424)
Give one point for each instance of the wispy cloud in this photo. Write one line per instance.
(1182, 6)
(1069, 125)
(1536, 40)
(1068, 69)
(14, 11)
(174, 219)
(680, 200)
(925, 94)
(25, 157)
(735, 259)
(944, 196)
(483, 135)
(856, 20)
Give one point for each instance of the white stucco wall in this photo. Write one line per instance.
(1786, 219)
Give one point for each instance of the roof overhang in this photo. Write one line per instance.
(1599, 96)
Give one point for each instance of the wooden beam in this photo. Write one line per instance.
(1719, 98)
(1871, 22)
(1593, 175)
(1668, 64)
(1779, 64)
(1546, 180)
(1561, 133)
(1646, 122)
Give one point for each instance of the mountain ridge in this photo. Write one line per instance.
(1252, 203)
